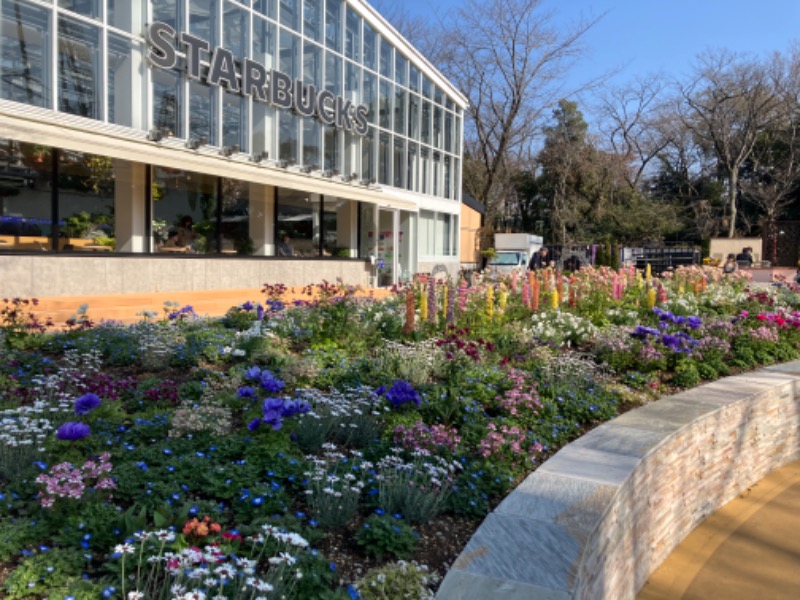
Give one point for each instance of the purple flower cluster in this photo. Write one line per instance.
(184, 313)
(667, 317)
(249, 306)
(86, 404)
(680, 342)
(72, 431)
(265, 379)
(276, 410)
(401, 392)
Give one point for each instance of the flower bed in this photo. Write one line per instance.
(303, 450)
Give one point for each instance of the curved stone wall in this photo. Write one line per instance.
(596, 519)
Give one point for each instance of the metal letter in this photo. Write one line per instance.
(304, 98)
(161, 38)
(194, 45)
(223, 68)
(361, 122)
(254, 80)
(325, 107)
(280, 90)
(343, 118)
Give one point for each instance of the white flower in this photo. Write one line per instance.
(124, 549)
(135, 595)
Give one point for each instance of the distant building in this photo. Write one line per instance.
(472, 214)
(313, 119)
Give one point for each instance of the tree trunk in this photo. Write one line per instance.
(733, 182)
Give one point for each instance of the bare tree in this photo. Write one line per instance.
(509, 58)
(729, 102)
(635, 123)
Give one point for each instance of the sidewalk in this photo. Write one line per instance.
(748, 550)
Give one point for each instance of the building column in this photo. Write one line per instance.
(347, 227)
(130, 199)
(262, 219)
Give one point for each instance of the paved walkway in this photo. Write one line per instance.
(748, 550)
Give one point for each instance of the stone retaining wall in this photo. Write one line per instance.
(596, 519)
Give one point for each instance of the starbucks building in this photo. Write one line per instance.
(199, 144)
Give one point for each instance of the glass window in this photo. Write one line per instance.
(312, 65)
(399, 162)
(386, 104)
(425, 166)
(427, 233)
(264, 43)
(126, 15)
(437, 127)
(312, 19)
(184, 211)
(169, 12)
(265, 7)
(203, 20)
(457, 141)
(413, 80)
(203, 112)
(290, 14)
(125, 96)
(25, 66)
(412, 168)
(437, 174)
(235, 131)
(332, 152)
(385, 159)
(426, 121)
(87, 8)
(352, 82)
(387, 58)
(352, 42)
(401, 69)
(236, 30)
(26, 218)
(79, 80)
(290, 54)
(448, 132)
(235, 225)
(167, 101)
(438, 95)
(335, 230)
(352, 155)
(288, 142)
(297, 224)
(427, 88)
(370, 98)
(333, 73)
(370, 47)
(368, 170)
(413, 116)
(333, 25)
(312, 143)
(448, 184)
(85, 201)
(400, 110)
(442, 235)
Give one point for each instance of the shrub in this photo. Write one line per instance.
(383, 535)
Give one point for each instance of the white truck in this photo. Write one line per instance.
(513, 252)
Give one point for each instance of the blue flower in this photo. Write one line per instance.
(402, 392)
(254, 424)
(246, 392)
(253, 373)
(72, 431)
(273, 419)
(86, 404)
(259, 312)
(247, 306)
(270, 384)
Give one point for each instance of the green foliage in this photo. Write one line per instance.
(396, 580)
(52, 573)
(382, 536)
(686, 374)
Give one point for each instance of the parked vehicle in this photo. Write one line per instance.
(512, 252)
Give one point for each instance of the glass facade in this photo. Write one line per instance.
(89, 58)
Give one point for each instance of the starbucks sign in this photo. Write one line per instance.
(253, 79)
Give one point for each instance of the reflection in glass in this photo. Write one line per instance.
(266, 8)
(235, 131)
(370, 48)
(203, 112)
(437, 172)
(236, 30)
(400, 110)
(448, 132)
(87, 8)
(413, 166)
(332, 152)
(290, 14)
(387, 92)
(387, 58)
(312, 65)
(288, 143)
(264, 43)
(352, 82)
(124, 92)
(128, 15)
(26, 218)
(413, 116)
(79, 68)
(86, 202)
(169, 12)
(399, 159)
(235, 224)
(312, 131)
(426, 122)
(290, 55)
(298, 220)
(368, 155)
(400, 69)
(352, 42)
(385, 159)
(167, 101)
(203, 20)
(413, 80)
(333, 73)
(448, 185)
(437, 127)
(370, 97)
(185, 203)
(312, 19)
(25, 53)
(333, 25)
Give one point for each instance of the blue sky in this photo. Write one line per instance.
(642, 37)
